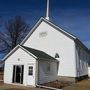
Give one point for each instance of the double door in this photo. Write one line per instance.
(18, 74)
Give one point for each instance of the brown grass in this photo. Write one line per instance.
(82, 85)
(13, 89)
(58, 84)
(17, 87)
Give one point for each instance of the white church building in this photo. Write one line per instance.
(47, 53)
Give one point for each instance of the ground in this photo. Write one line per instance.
(58, 84)
(16, 87)
(82, 85)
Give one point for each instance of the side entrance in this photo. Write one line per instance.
(18, 74)
(31, 75)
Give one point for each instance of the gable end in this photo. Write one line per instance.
(12, 51)
(52, 25)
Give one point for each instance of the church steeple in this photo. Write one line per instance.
(47, 10)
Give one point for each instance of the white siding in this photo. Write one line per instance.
(89, 71)
(51, 41)
(25, 59)
(47, 76)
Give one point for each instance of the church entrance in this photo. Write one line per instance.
(18, 74)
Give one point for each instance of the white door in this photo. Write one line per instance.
(31, 75)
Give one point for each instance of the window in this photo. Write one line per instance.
(30, 70)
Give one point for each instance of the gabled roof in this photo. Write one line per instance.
(57, 28)
(13, 50)
(39, 55)
(51, 24)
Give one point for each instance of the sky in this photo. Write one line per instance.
(71, 15)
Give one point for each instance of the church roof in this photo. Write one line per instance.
(73, 37)
(39, 54)
(51, 24)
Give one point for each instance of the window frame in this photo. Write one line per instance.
(30, 70)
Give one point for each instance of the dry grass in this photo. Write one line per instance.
(83, 85)
(11, 89)
(14, 87)
(17, 87)
(58, 84)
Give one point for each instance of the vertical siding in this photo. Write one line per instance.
(45, 76)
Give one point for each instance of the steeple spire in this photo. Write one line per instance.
(47, 10)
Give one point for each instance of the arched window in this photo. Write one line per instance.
(57, 55)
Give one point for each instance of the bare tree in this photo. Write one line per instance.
(15, 30)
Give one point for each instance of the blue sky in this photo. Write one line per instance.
(71, 15)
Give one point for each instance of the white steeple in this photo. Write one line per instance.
(47, 10)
